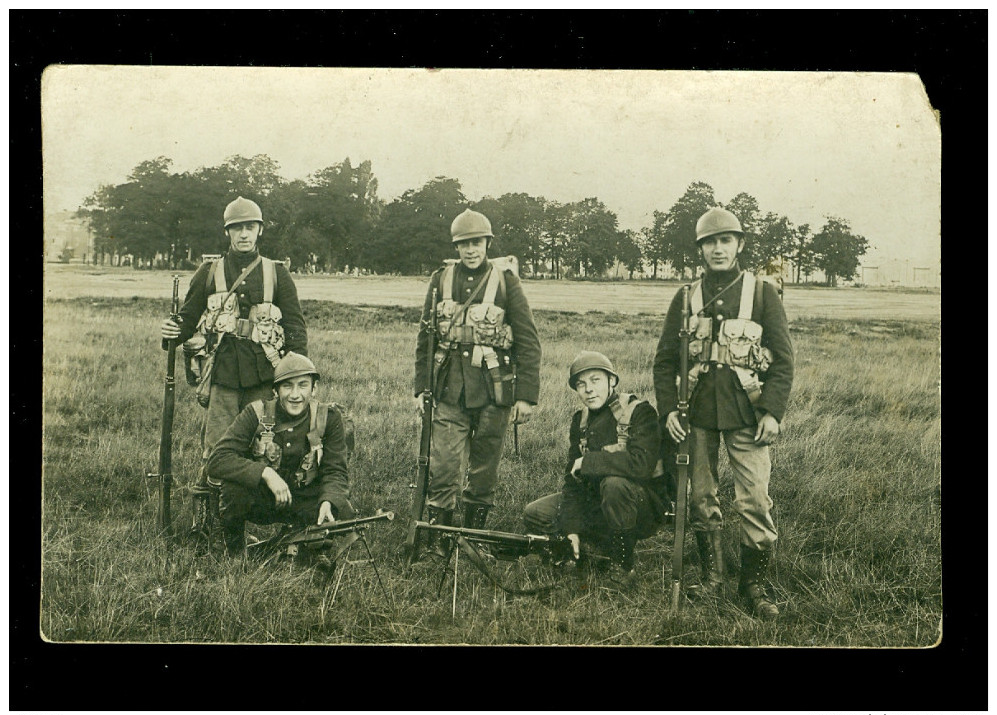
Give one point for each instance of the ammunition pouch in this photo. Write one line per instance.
(740, 344)
(501, 375)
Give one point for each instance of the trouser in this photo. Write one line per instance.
(621, 505)
(462, 436)
(238, 504)
(224, 406)
(752, 468)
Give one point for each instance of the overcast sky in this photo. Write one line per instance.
(865, 147)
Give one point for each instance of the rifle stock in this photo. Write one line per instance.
(682, 455)
(421, 484)
(165, 474)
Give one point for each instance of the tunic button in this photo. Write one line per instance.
(720, 302)
(466, 353)
(288, 444)
(470, 278)
(467, 290)
(290, 429)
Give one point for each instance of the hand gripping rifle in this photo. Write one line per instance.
(421, 484)
(682, 456)
(165, 474)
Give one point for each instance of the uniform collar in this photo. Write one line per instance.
(608, 404)
(480, 270)
(285, 420)
(239, 259)
(719, 279)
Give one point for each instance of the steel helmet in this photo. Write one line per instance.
(470, 224)
(717, 220)
(589, 360)
(293, 365)
(242, 210)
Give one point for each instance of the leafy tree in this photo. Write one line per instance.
(677, 229)
(774, 239)
(629, 251)
(593, 236)
(837, 250)
(555, 234)
(745, 207)
(802, 251)
(413, 235)
(518, 224)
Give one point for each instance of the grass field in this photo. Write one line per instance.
(856, 485)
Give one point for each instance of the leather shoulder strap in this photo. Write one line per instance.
(748, 282)
(216, 276)
(446, 283)
(696, 297)
(269, 279)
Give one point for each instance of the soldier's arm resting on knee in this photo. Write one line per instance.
(230, 459)
(573, 496)
(332, 472)
(638, 460)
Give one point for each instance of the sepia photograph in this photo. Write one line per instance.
(411, 356)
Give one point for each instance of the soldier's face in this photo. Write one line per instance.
(593, 387)
(295, 394)
(472, 251)
(720, 250)
(243, 236)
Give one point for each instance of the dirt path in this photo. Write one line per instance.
(71, 281)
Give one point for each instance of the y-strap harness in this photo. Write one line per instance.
(622, 410)
(266, 413)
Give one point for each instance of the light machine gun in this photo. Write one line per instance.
(478, 544)
(289, 542)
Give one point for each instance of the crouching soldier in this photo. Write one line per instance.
(614, 491)
(283, 460)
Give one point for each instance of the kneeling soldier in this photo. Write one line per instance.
(614, 491)
(283, 460)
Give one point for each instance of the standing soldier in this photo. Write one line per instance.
(245, 310)
(487, 365)
(739, 337)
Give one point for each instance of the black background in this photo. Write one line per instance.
(947, 50)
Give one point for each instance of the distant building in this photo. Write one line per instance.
(66, 235)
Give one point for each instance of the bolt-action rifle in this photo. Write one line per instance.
(421, 484)
(682, 455)
(165, 474)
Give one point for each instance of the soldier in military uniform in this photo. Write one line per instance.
(614, 490)
(741, 367)
(283, 460)
(248, 324)
(487, 371)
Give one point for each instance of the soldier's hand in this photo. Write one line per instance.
(575, 545)
(576, 469)
(674, 426)
(420, 406)
(325, 513)
(768, 429)
(521, 412)
(281, 492)
(169, 329)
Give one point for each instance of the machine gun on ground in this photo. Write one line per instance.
(480, 544)
(289, 542)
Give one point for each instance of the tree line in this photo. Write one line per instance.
(334, 219)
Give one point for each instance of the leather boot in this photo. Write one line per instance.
(475, 516)
(235, 538)
(438, 517)
(710, 547)
(623, 562)
(754, 566)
